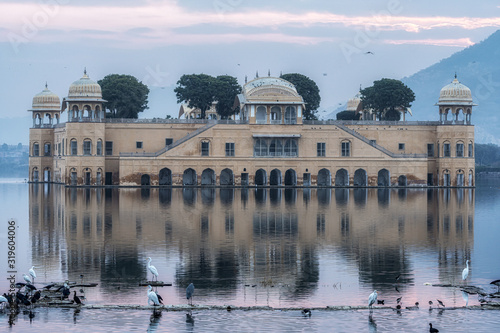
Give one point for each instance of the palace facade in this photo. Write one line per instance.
(268, 145)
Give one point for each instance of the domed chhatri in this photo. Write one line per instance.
(455, 92)
(85, 87)
(46, 100)
(455, 98)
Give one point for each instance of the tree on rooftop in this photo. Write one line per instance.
(309, 91)
(386, 97)
(227, 88)
(197, 90)
(125, 95)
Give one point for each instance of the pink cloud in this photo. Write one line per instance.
(459, 42)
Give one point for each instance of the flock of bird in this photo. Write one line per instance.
(31, 295)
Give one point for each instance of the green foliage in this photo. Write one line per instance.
(386, 96)
(227, 88)
(309, 91)
(348, 115)
(201, 90)
(125, 95)
(487, 155)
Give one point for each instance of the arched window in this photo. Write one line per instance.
(275, 115)
(87, 147)
(73, 147)
(446, 149)
(36, 149)
(98, 149)
(345, 148)
(261, 115)
(87, 112)
(260, 148)
(47, 149)
(291, 147)
(460, 149)
(290, 115)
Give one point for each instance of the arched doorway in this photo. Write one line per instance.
(446, 178)
(208, 177)
(402, 181)
(165, 177)
(342, 178)
(46, 175)
(290, 177)
(383, 179)
(460, 178)
(260, 177)
(360, 177)
(471, 179)
(275, 177)
(35, 177)
(145, 180)
(324, 178)
(227, 177)
(189, 177)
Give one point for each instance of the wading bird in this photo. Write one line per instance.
(306, 312)
(76, 298)
(372, 298)
(432, 329)
(465, 272)
(496, 283)
(440, 303)
(27, 278)
(152, 297)
(398, 300)
(152, 269)
(32, 273)
(189, 293)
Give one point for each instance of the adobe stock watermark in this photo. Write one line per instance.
(48, 9)
(222, 7)
(156, 77)
(364, 36)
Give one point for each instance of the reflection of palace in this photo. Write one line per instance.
(224, 235)
(270, 144)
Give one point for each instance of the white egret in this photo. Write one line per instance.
(372, 298)
(32, 273)
(152, 269)
(27, 278)
(190, 292)
(465, 272)
(3, 300)
(152, 297)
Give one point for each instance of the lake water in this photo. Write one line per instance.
(281, 248)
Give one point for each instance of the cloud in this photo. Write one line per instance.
(458, 42)
(162, 18)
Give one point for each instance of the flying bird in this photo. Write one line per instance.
(372, 298)
(152, 269)
(465, 272)
(370, 52)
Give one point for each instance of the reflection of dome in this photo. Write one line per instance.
(354, 103)
(46, 100)
(455, 92)
(85, 87)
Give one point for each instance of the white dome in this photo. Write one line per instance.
(354, 103)
(85, 88)
(454, 93)
(46, 100)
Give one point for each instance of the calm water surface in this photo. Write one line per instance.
(247, 247)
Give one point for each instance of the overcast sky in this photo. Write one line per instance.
(159, 40)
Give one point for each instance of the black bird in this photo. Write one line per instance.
(430, 303)
(496, 283)
(30, 286)
(369, 52)
(398, 307)
(306, 312)
(76, 298)
(160, 299)
(22, 299)
(19, 285)
(441, 303)
(35, 297)
(417, 304)
(398, 300)
(432, 329)
(380, 301)
(49, 286)
(8, 297)
(190, 292)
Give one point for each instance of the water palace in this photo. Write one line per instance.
(270, 144)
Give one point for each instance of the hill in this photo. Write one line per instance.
(478, 67)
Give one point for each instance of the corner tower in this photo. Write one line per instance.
(455, 98)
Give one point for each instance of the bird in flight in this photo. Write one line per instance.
(369, 52)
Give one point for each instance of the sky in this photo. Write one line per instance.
(341, 45)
